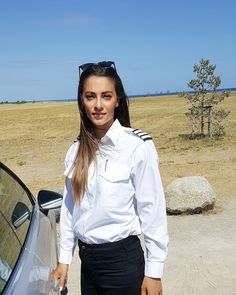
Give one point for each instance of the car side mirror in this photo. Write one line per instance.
(49, 200)
(20, 214)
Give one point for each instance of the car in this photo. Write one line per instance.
(28, 237)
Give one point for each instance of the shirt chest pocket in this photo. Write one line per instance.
(113, 172)
(115, 186)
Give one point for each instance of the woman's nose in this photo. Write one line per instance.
(98, 103)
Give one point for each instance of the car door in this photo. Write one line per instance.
(28, 248)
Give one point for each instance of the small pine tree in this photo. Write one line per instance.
(203, 100)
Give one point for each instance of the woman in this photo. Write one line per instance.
(113, 192)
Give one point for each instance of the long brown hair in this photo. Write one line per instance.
(88, 142)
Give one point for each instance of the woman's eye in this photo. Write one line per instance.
(107, 97)
(89, 97)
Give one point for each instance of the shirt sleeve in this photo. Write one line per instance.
(67, 237)
(151, 207)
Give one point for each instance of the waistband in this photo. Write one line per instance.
(109, 244)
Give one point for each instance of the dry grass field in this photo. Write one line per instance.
(34, 138)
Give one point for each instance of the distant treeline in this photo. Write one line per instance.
(130, 96)
(13, 102)
(174, 93)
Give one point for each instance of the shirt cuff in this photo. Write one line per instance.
(65, 257)
(154, 269)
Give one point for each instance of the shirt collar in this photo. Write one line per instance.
(113, 133)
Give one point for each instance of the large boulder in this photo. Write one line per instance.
(189, 195)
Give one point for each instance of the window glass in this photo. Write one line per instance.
(15, 204)
(9, 250)
(15, 214)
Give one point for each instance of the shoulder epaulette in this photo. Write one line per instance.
(143, 135)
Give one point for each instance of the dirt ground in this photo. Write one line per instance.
(34, 138)
(201, 258)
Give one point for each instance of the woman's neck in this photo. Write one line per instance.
(100, 131)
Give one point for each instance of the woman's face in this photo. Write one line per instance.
(100, 100)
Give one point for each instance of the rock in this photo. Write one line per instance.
(189, 195)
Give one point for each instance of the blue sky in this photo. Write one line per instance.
(154, 44)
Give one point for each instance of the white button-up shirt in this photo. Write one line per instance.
(124, 197)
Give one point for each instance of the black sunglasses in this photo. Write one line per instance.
(103, 64)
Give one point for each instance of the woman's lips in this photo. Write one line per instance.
(98, 115)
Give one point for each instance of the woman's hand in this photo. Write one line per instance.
(151, 286)
(59, 273)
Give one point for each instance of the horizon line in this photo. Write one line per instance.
(167, 93)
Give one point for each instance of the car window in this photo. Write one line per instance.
(9, 250)
(15, 204)
(15, 214)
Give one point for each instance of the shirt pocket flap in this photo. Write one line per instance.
(115, 172)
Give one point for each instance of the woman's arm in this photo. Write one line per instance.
(67, 237)
(151, 209)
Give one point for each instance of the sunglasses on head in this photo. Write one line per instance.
(103, 64)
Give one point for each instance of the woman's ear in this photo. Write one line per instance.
(117, 103)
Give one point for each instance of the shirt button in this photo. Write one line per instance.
(83, 247)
